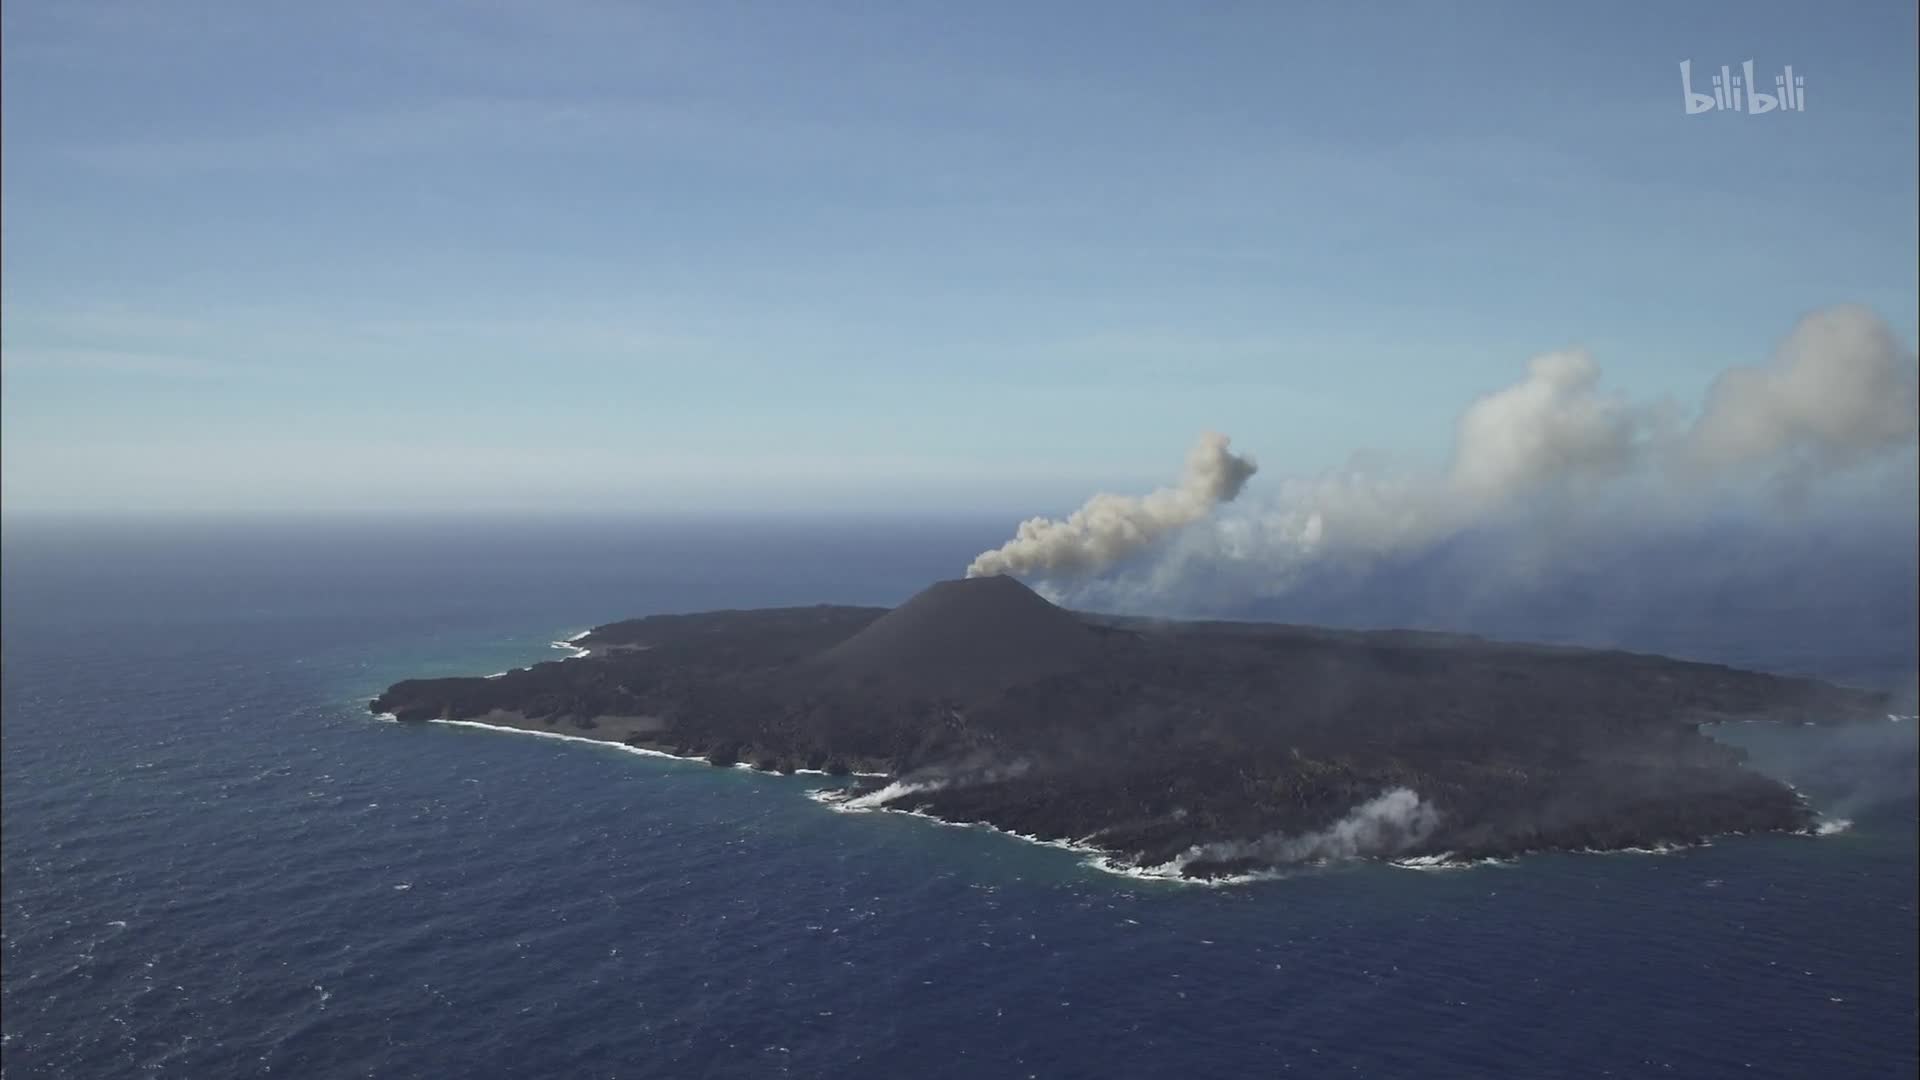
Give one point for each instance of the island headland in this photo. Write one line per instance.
(1191, 749)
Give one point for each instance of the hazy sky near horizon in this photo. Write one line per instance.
(558, 256)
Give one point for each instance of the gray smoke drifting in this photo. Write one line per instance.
(1840, 390)
(1111, 527)
(1842, 772)
(1388, 824)
(979, 768)
(1555, 458)
(1554, 427)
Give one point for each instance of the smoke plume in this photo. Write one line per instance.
(1553, 464)
(1840, 390)
(979, 768)
(1111, 527)
(1552, 427)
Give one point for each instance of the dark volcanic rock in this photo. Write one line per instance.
(1205, 747)
(967, 638)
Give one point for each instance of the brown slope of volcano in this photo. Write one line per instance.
(970, 635)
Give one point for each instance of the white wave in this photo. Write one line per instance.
(1446, 861)
(1832, 827)
(848, 803)
(640, 750)
(571, 644)
(1172, 872)
(1092, 856)
(1662, 848)
(818, 796)
(500, 674)
(392, 718)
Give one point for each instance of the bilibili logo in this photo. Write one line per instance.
(1736, 91)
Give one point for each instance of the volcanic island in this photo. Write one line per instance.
(1200, 750)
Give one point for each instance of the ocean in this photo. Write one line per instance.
(218, 864)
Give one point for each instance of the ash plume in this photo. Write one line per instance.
(1553, 427)
(1554, 464)
(1109, 528)
(1840, 389)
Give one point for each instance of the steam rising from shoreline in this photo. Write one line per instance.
(1111, 527)
(979, 769)
(1387, 824)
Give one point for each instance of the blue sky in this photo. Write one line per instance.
(557, 256)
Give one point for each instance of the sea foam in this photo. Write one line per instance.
(570, 644)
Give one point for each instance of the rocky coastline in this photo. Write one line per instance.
(1185, 749)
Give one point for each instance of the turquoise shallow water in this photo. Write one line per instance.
(216, 864)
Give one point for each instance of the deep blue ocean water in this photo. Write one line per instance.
(217, 864)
